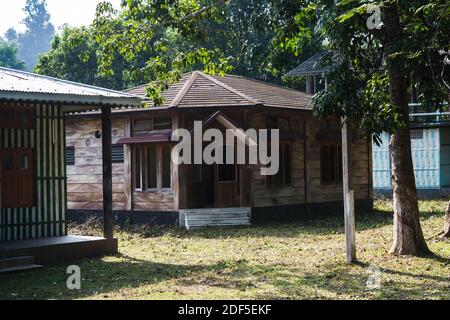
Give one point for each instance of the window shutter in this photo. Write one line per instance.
(117, 153)
(70, 156)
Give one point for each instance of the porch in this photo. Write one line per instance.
(33, 188)
(51, 250)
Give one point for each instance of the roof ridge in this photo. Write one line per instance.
(148, 83)
(267, 83)
(229, 88)
(184, 90)
(87, 86)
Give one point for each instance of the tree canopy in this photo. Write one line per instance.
(158, 41)
(38, 34)
(8, 56)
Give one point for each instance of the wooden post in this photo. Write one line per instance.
(128, 182)
(349, 195)
(309, 85)
(107, 173)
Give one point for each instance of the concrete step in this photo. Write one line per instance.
(16, 261)
(22, 268)
(216, 217)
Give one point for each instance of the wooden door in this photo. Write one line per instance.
(9, 192)
(25, 177)
(17, 189)
(227, 186)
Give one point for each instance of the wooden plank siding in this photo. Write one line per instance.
(315, 190)
(84, 181)
(305, 139)
(48, 217)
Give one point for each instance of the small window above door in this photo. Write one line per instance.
(146, 126)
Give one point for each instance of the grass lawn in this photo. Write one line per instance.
(301, 260)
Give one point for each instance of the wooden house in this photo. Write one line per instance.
(148, 187)
(33, 202)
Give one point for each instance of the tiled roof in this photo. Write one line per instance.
(197, 90)
(24, 86)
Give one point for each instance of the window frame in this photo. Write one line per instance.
(144, 151)
(338, 173)
(284, 183)
(151, 127)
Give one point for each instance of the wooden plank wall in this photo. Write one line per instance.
(84, 179)
(295, 193)
(306, 126)
(48, 217)
(360, 165)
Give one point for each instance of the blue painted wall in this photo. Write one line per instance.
(428, 158)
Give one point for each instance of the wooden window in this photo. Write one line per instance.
(152, 167)
(331, 163)
(284, 176)
(17, 177)
(117, 153)
(152, 170)
(19, 118)
(138, 168)
(70, 156)
(146, 126)
(166, 171)
(162, 123)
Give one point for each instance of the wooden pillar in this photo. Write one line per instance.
(128, 182)
(315, 84)
(179, 172)
(107, 173)
(309, 84)
(308, 153)
(349, 195)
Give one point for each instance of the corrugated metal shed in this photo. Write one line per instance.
(428, 159)
(24, 86)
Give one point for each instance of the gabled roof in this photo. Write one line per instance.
(197, 90)
(25, 86)
(312, 66)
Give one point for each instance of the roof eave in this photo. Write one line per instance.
(67, 99)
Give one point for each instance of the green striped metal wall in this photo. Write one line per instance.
(48, 217)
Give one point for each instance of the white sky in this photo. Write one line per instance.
(73, 12)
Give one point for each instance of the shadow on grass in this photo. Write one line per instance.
(132, 277)
(100, 277)
(316, 226)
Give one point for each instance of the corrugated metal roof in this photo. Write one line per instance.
(312, 66)
(24, 86)
(197, 89)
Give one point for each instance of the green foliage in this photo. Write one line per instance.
(73, 56)
(358, 85)
(8, 56)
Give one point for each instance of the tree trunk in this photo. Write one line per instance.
(447, 222)
(408, 236)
